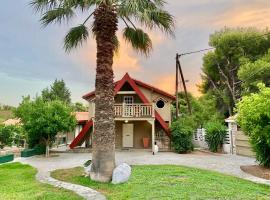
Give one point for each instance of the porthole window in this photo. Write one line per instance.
(160, 103)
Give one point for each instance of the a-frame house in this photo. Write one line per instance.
(142, 116)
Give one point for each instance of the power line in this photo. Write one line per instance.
(211, 48)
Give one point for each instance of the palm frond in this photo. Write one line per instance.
(149, 13)
(44, 5)
(57, 15)
(116, 44)
(139, 40)
(75, 37)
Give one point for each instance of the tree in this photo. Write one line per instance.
(79, 107)
(57, 91)
(44, 120)
(254, 117)
(252, 73)
(203, 109)
(106, 15)
(220, 67)
(6, 135)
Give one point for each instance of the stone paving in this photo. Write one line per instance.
(227, 164)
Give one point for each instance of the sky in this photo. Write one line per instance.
(32, 57)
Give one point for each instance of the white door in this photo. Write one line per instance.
(128, 130)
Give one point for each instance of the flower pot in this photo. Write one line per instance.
(146, 142)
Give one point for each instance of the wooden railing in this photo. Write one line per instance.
(134, 110)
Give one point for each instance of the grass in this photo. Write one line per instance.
(171, 182)
(17, 182)
(5, 114)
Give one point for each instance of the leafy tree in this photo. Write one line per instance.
(254, 117)
(6, 133)
(43, 120)
(106, 15)
(203, 108)
(220, 67)
(79, 107)
(252, 73)
(182, 133)
(57, 91)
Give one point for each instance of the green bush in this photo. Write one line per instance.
(6, 136)
(254, 117)
(182, 133)
(215, 135)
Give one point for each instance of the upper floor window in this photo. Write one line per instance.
(128, 99)
(160, 103)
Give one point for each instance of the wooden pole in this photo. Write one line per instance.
(176, 88)
(178, 64)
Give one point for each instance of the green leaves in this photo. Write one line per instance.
(57, 15)
(139, 40)
(254, 119)
(76, 36)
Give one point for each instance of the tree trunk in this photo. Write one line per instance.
(103, 159)
(47, 149)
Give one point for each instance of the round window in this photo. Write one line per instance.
(160, 103)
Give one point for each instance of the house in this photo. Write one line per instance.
(66, 138)
(142, 116)
(12, 122)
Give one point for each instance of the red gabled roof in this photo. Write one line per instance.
(132, 83)
(138, 83)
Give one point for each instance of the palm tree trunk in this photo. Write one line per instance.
(103, 155)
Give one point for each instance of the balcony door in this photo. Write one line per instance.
(128, 131)
(128, 109)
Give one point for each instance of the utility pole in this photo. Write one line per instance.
(176, 87)
(178, 67)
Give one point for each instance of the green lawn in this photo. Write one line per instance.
(17, 182)
(171, 182)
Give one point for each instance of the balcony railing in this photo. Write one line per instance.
(134, 110)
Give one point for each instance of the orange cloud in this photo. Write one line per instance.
(245, 16)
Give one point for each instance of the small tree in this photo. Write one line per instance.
(215, 135)
(254, 119)
(5, 136)
(182, 132)
(43, 120)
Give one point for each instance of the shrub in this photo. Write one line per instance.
(182, 133)
(6, 136)
(254, 117)
(215, 135)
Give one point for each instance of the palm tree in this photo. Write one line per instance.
(106, 14)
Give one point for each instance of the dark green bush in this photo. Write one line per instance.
(182, 133)
(215, 135)
(40, 149)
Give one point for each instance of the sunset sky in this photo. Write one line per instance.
(31, 56)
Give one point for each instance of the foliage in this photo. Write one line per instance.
(170, 182)
(150, 14)
(252, 73)
(43, 120)
(6, 135)
(18, 181)
(203, 108)
(215, 135)
(79, 107)
(57, 91)
(254, 117)
(220, 66)
(182, 133)
(4, 107)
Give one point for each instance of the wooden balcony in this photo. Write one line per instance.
(134, 110)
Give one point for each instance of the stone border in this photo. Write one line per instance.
(85, 192)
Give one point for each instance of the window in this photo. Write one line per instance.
(128, 99)
(160, 103)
